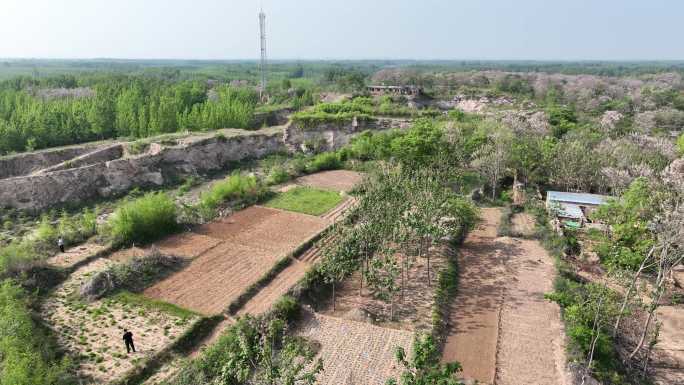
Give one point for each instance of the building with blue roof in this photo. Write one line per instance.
(573, 206)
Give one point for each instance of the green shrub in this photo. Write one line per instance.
(237, 187)
(26, 355)
(277, 175)
(287, 308)
(143, 220)
(323, 161)
(135, 275)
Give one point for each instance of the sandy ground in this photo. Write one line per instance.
(668, 354)
(251, 242)
(531, 347)
(502, 329)
(75, 255)
(338, 180)
(523, 224)
(92, 332)
(355, 352)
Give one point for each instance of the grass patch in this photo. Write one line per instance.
(306, 200)
(237, 187)
(137, 300)
(144, 219)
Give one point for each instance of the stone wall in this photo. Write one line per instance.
(27, 163)
(100, 155)
(160, 165)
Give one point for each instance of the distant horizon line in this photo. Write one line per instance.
(469, 60)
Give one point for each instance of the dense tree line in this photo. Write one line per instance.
(121, 106)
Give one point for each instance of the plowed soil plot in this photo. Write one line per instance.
(355, 352)
(338, 180)
(91, 333)
(413, 312)
(502, 329)
(254, 239)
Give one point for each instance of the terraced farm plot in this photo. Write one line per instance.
(413, 312)
(92, 332)
(254, 239)
(306, 200)
(338, 180)
(355, 352)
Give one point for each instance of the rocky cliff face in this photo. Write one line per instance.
(27, 163)
(88, 172)
(158, 166)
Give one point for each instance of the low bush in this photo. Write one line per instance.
(143, 220)
(277, 175)
(287, 308)
(446, 290)
(27, 357)
(133, 276)
(237, 187)
(31, 251)
(323, 161)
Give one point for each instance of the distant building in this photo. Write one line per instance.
(573, 207)
(395, 90)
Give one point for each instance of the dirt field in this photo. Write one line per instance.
(523, 224)
(92, 331)
(339, 180)
(502, 329)
(668, 360)
(413, 313)
(355, 352)
(253, 240)
(76, 255)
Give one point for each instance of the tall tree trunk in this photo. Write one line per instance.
(596, 328)
(333, 285)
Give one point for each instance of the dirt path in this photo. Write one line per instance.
(474, 316)
(503, 331)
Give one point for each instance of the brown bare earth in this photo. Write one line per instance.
(475, 313)
(267, 296)
(523, 224)
(254, 239)
(503, 331)
(76, 255)
(531, 348)
(338, 180)
(355, 352)
(668, 354)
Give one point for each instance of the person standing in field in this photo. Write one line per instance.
(128, 339)
(60, 243)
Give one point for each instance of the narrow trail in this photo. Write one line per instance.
(503, 331)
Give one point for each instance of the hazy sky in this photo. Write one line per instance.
(344, 29)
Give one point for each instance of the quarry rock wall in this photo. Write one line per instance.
(70, 176)
(27, 163)
(100, 155)
(159, 166)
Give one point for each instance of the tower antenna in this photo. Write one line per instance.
(262, 66)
